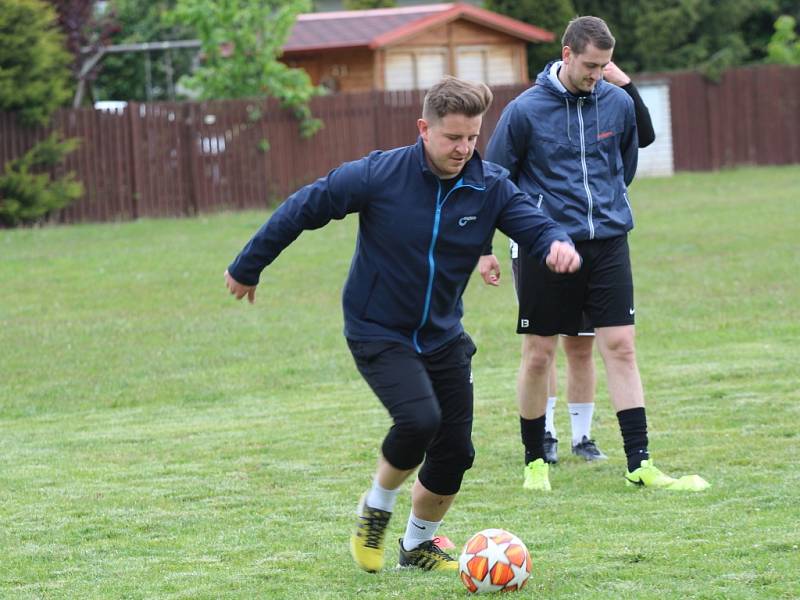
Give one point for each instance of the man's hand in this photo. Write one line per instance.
(613, 74)
(239, 289)
(489, 268)
(563, 258)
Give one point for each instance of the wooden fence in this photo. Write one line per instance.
(168, 159)
(750, 117)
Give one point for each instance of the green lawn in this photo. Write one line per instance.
(160, 440)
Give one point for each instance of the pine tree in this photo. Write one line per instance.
(34, 82)
(34, 74)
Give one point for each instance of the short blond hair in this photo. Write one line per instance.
(456, 96)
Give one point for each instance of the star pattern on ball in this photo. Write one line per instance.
(494, 560)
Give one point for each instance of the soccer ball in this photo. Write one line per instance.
(494, 560)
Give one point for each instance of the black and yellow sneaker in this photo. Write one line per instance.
(427, 556)
(367, 542)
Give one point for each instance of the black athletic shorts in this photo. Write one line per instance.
(586, 329)
(429, 397)
(600, 294)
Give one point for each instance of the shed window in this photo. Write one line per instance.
(414, 69)
(491, 65)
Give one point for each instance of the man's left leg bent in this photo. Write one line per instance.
(399, 378)
(448, 457)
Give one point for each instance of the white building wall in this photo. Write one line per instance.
(657, 159)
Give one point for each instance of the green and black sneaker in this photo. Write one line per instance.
(649, 476)
(428, 557)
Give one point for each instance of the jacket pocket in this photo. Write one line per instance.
(366, 352)
(609, 149)
(469, 346)
(628, 204)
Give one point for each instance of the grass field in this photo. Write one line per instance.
(160, 440)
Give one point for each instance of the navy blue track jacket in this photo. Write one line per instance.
(416, 247)
(575, 155)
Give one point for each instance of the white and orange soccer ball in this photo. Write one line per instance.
(494, 560)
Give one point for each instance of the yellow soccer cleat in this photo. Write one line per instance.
(537, 476)
(367, 542)
(648, 475)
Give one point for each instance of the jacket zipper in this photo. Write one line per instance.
(585, 170)
(431, 261)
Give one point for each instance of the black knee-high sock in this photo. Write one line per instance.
(633, 425)
(532, 437)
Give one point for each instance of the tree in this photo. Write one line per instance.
(695, 33)
(83, 30)
(34, 82)
(662, 35)
(784, 47)
(710, 35)
(27, 191)
(241, 43)
(34, 73)
(145, 76)
(552, 15)
(365, 4)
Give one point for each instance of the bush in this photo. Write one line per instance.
(28, 191)
(784, 47)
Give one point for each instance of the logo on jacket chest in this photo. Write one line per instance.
(464, 220)
(604, 135)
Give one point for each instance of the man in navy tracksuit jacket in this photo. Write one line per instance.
(425, 214)
(571, 143)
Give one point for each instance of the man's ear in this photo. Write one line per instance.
(566, 54)
(423, 127)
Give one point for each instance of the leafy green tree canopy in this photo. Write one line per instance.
(241, 43)
(138, 75)
(661, 35)
(366, 4)
(784, 47)
(552, 15)
(34, 66)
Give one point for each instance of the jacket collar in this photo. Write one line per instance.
(549, 79)
(471, 175)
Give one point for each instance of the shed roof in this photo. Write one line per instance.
(380, 27)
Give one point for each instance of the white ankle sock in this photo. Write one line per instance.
(381, 498)
(418, 531)
(549, 421)
(580, 415)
